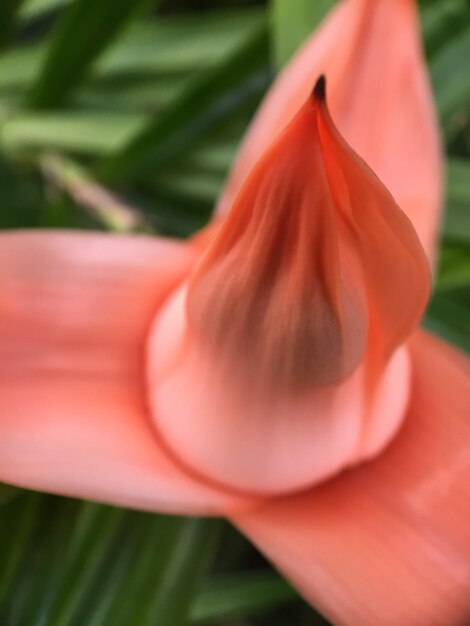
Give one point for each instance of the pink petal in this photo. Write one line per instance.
(74, 313)
(389, 543)
(380, 99)
(290, 334)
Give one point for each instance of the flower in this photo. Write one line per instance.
(276, 377)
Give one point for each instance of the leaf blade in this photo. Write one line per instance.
(292, 22)
(86, 29)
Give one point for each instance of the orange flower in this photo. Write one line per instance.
(276, 378)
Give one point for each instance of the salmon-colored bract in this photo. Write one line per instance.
(270, 370)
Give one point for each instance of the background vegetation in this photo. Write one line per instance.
(125, 115)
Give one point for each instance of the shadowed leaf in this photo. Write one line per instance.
(86, 28)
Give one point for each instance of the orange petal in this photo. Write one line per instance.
(380, 99)
(74, 313)
(389, 543)
(313, 282)
(281, 289)
(314, 257)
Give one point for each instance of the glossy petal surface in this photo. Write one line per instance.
(74, 314)
(389, 543)
(380, 100)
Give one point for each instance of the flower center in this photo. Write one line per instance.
(281, 361)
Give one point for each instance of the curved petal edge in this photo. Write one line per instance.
(389, 542)
(74, 313)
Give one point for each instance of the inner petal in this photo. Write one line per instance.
(281, 290)
(284, 348)
(233, 438)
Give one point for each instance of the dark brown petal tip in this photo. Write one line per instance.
(319, 91)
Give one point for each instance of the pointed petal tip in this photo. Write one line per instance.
(380, 56)
(319, 91)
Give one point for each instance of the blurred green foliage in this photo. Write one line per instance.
(149, 100)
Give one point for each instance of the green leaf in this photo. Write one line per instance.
(41, 568)
(442, 21)
(191, 186)
(19, 66)
(93, 534)
(8, 12)
(451, 79)
(77, 132)
(171, 216)
(216, 156)
(457, 216)
(153, 56)
(21, 196)
(233, 596)
(32, 9)
(86, 29)
(8, 492)
(133, 94)
(170, 605)
(70, 563)
(167, 556)
(292, 22)
(210, 99)
(180, 44)
(17, 520)
(448, 315)
(454, 267)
